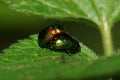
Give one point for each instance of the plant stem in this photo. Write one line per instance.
(107, 39)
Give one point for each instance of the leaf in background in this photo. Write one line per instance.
(26, 59)
(101, 12)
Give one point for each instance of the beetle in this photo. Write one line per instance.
(55, 38)
(48, 34)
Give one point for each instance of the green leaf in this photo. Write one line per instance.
(101, 12)
(26, 59)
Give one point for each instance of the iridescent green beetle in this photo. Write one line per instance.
(55, 38)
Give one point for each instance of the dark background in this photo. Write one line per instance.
(15, 26)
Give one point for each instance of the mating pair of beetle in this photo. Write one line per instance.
(55, 38)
